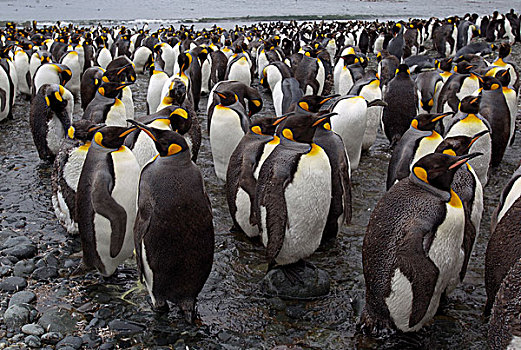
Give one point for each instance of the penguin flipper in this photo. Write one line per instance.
(3, 99)
(276, 222)
(248, 183)
(141, 225)
(412, 259)
(64, 118)
(106, 206)
(346, 187)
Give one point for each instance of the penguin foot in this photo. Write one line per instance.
(292, 272)
(81, 270)
(160, 306)
(374, 327)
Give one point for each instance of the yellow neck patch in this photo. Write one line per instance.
(70, 132)
(450, 152)
(414, 123)
(84, 147)
(275, 140)
(420, 173)
(257, 103)
(455, 201)
(287, 133)
(173, 149)
(314, 149)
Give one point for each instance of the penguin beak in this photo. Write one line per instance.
(328, 98)
(278, 121)
(221, 95)
(123, 85)
(441, 116)
(128, 131)
(463, 159)
(477, 136)
(143, 127)
(322, 118)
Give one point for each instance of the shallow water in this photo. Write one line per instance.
(233, 312)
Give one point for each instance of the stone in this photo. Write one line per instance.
(106, 346)
(45, 273)
(13, 284)
(314, 283)
(5, 270)
(91, 340)
(295, 312)
(58, 320)
(25, 251)
(17, 315)
(14, 241)
(72, 341)
(23, 268)
(126, 327)
(33, 329)
(23, 297)
(33, 341)
(52, 337)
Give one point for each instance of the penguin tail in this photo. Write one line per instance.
(377, 102)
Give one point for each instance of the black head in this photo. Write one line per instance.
(427, 121)
(490, 83)
(438, 169)
(168, 142)
(300, 128)
(120, 70)
(470, 104)
(112, 137)
(111, 89)
(254, 106)
(503, 75)
(263, 125)
(458, 145)
(180, 119)
(403, 69)
(350, 59)
(226, 98)
(504, 50)
(184, 60)
(55, 97)
(64, 73)
(445, 64)
(463, 67)
(313, 103)
(83, 130)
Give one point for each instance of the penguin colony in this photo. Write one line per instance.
(129, 185)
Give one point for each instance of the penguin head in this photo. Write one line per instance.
(504, 50)
(176, 92)
(458, 145)
(55, 97)
(313, 103)
(180, 119)
(463, 67)
(397, 28)
(112, 137)
(168, 142)
(350, 59)
(254, 106)
(503, 75)
(490, 83)
(83, 130)
(264, 125)
(438, 169)
(300, 128)
(470, 104)
(111, 89)
(120, 69)
(64, 73)
(323, 120)
(403, 70)
(226, 98)
(427, 121)
(445, 64)
(184, 60)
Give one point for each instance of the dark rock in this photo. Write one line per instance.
(15, 241)
(70, 263)
(33, 341)
(23, 297)
(17, 338)
(20, 224)
(72, 341)
(127, 327)
(277, 304)
(6, 261)
(314, 283)
(23, 268)
(17, 315)
(45, 273)
(103, 313)
(52, 337)
(48, 260)
(91, 340)
(58, 320)
(25, 251)
(106, 346)
(5, 270)
(295, 312)
(13, 284)
(33, 329)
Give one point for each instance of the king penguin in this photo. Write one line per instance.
(67, 169)
(243, 170)
(106, 200)
(50, 73)
(174, 234)
(229, 124)
(90, 82)
(293, 194)
(50, 118)
(412, 246)
(106, 107)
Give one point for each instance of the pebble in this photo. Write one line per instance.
(24, 268)
(106, 346)
(70, 341)
(48, 260)
(45, 273)
(315, 283)
(58, 320)
(15, 241)
(17, 338)
(125, 327)
(33, 341)
(25, 251)
(295, 312)
(17, 315)
(13, 284)
(52, 337)
(5, 270)
(33, 329)
(91, 340)
(23, 297)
